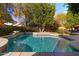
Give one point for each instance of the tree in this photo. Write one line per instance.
(18, 15)
(3, 14)
(60, 19)
(42, 15)
(73, 8)
(26, 9)
(72, 18)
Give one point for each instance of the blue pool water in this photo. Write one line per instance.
(29, 43)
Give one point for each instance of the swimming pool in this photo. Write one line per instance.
(35, 43)
(30, 43)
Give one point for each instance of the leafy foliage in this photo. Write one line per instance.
(40, 15)
(60, 19)
(72, 17)
(3, 14)
(73, 8)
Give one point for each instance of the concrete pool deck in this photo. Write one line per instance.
(70, 37)
(3, 44)
(19, 54)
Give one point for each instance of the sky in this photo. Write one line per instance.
(60, 8)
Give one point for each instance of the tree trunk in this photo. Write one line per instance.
(39, 29)
(43, 29)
